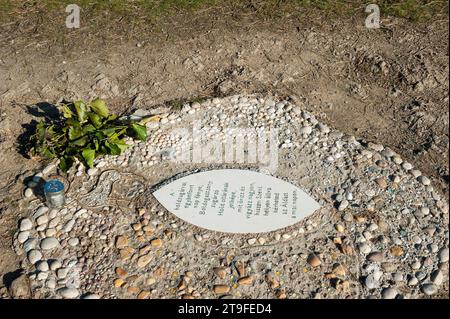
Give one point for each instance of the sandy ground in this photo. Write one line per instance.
(388, 85)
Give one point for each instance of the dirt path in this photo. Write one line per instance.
(388, 85)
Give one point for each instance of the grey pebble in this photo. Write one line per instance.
(49, 243)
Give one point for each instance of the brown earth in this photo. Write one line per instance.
(388, 85)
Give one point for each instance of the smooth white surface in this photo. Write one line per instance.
(236, 201)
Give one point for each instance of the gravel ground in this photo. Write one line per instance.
(382, 231)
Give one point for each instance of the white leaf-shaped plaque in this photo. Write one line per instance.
(236, 201)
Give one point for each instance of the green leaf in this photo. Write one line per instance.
(67, 112)
(89, 156)
(74, 133)
(81, 141)
(95, 119)
(65, 163)
(140, 131)
(99, 107)
(81, 109)
(113, 148)
(88, 128)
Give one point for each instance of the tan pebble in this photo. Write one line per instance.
(220, 272)
(168, 233)
(339, 270)
(360, 219)
(118, 282)
(126, 253)
(187, 296)
(221, 289)
(281, 294)
(121, 241)
(121, 272)
(240, 267)
(144, 260)
(158, 272)
(156, 242)
(245, 281)
(381, 182)
(339, 228)
(141, 239)
(148, 229)
(337, 240)
(136, 226)
(189, 274)
(145, 249)
(133, 290)
(346, 249)
(143, 294)
(313, 260)
(397, 251)
(141, 211)
(182, 285)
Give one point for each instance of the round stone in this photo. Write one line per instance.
(55, 264)
(23, 236)
(389, 293)
(28, 192)
(424, 180)
(34, 256)
(49, 243)
(25, 224)
(68, 293)
(429, 289)
(443, 255)
(370, 282)
(73, 242)
(42, 266)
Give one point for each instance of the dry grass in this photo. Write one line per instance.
(415, 10)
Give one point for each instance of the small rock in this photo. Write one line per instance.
(245, 281)
(389, 293)
(221, 289)
(156, 242)
(220, 272)
(429, 289)
(121, 241)
(28, 192)
(23, 236)
(375, 257)
(34, 256)
(25, 224)
(144, 260)
(370, 282)
(92, 171)
(443, 255)
(437, 277)
(73, 241)
(55, 264)
(49, 243)
(20, 288)
(42, 266)
(313, 260)
(68, 293)
(343, 205)
(424, 180)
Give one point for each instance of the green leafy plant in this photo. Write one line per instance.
(85, 131)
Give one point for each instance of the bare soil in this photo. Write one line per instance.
(387, 85)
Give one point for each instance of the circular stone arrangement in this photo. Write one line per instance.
(382, 230)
